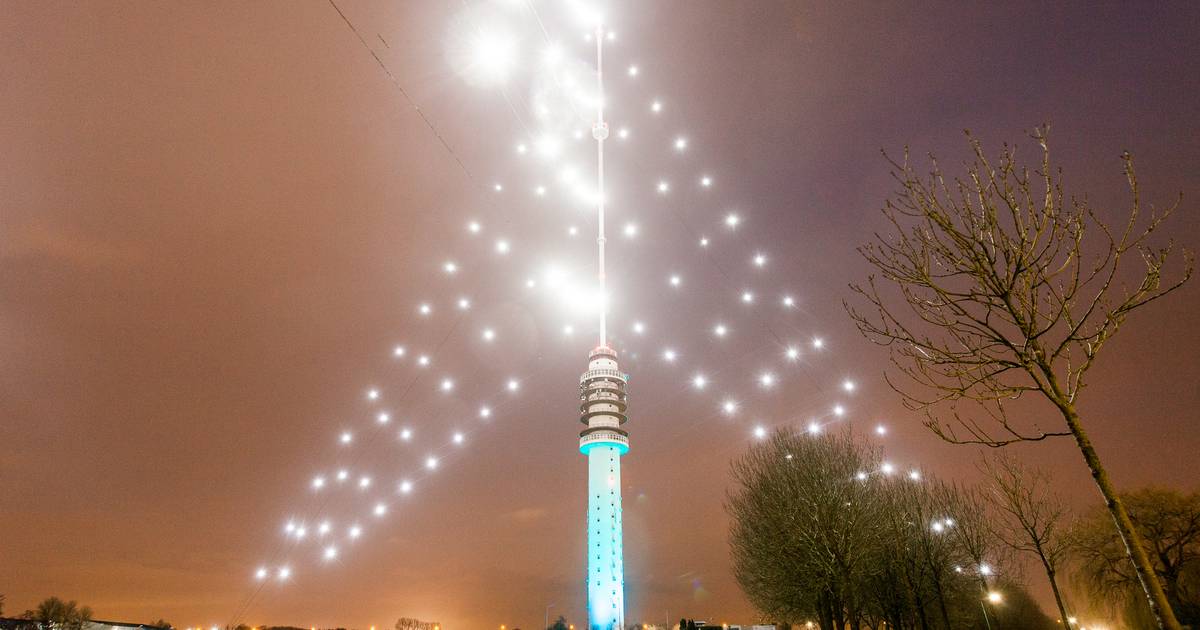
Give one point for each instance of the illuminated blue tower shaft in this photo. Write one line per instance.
(602, 409)
(606, 571)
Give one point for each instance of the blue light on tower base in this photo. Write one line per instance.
(604, 441)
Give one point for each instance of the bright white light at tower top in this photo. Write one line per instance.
(760, 432)
(398, 351)
(552, 55)
(792, 353)
(480, 47)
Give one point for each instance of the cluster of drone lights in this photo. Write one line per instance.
(563, 88)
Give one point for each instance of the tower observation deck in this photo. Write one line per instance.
(604, 441)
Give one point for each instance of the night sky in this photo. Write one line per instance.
(218, 219)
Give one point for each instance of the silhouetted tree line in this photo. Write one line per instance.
(409, 623)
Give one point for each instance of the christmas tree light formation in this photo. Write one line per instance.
(406, 430)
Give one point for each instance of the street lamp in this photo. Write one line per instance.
(994, 598)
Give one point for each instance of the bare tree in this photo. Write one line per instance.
(804, 528)
(1031, 517)
(998, 297)
(821, 530)
(60, 615)
(409, 623)
(1170, 523)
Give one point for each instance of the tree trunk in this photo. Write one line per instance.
(1134, 546)
(920, 606)
(1050, 575)
(826, 612)
(937, 587)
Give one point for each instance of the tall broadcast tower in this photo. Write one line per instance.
(604, 441)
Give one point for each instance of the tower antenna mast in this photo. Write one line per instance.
(600, 133)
